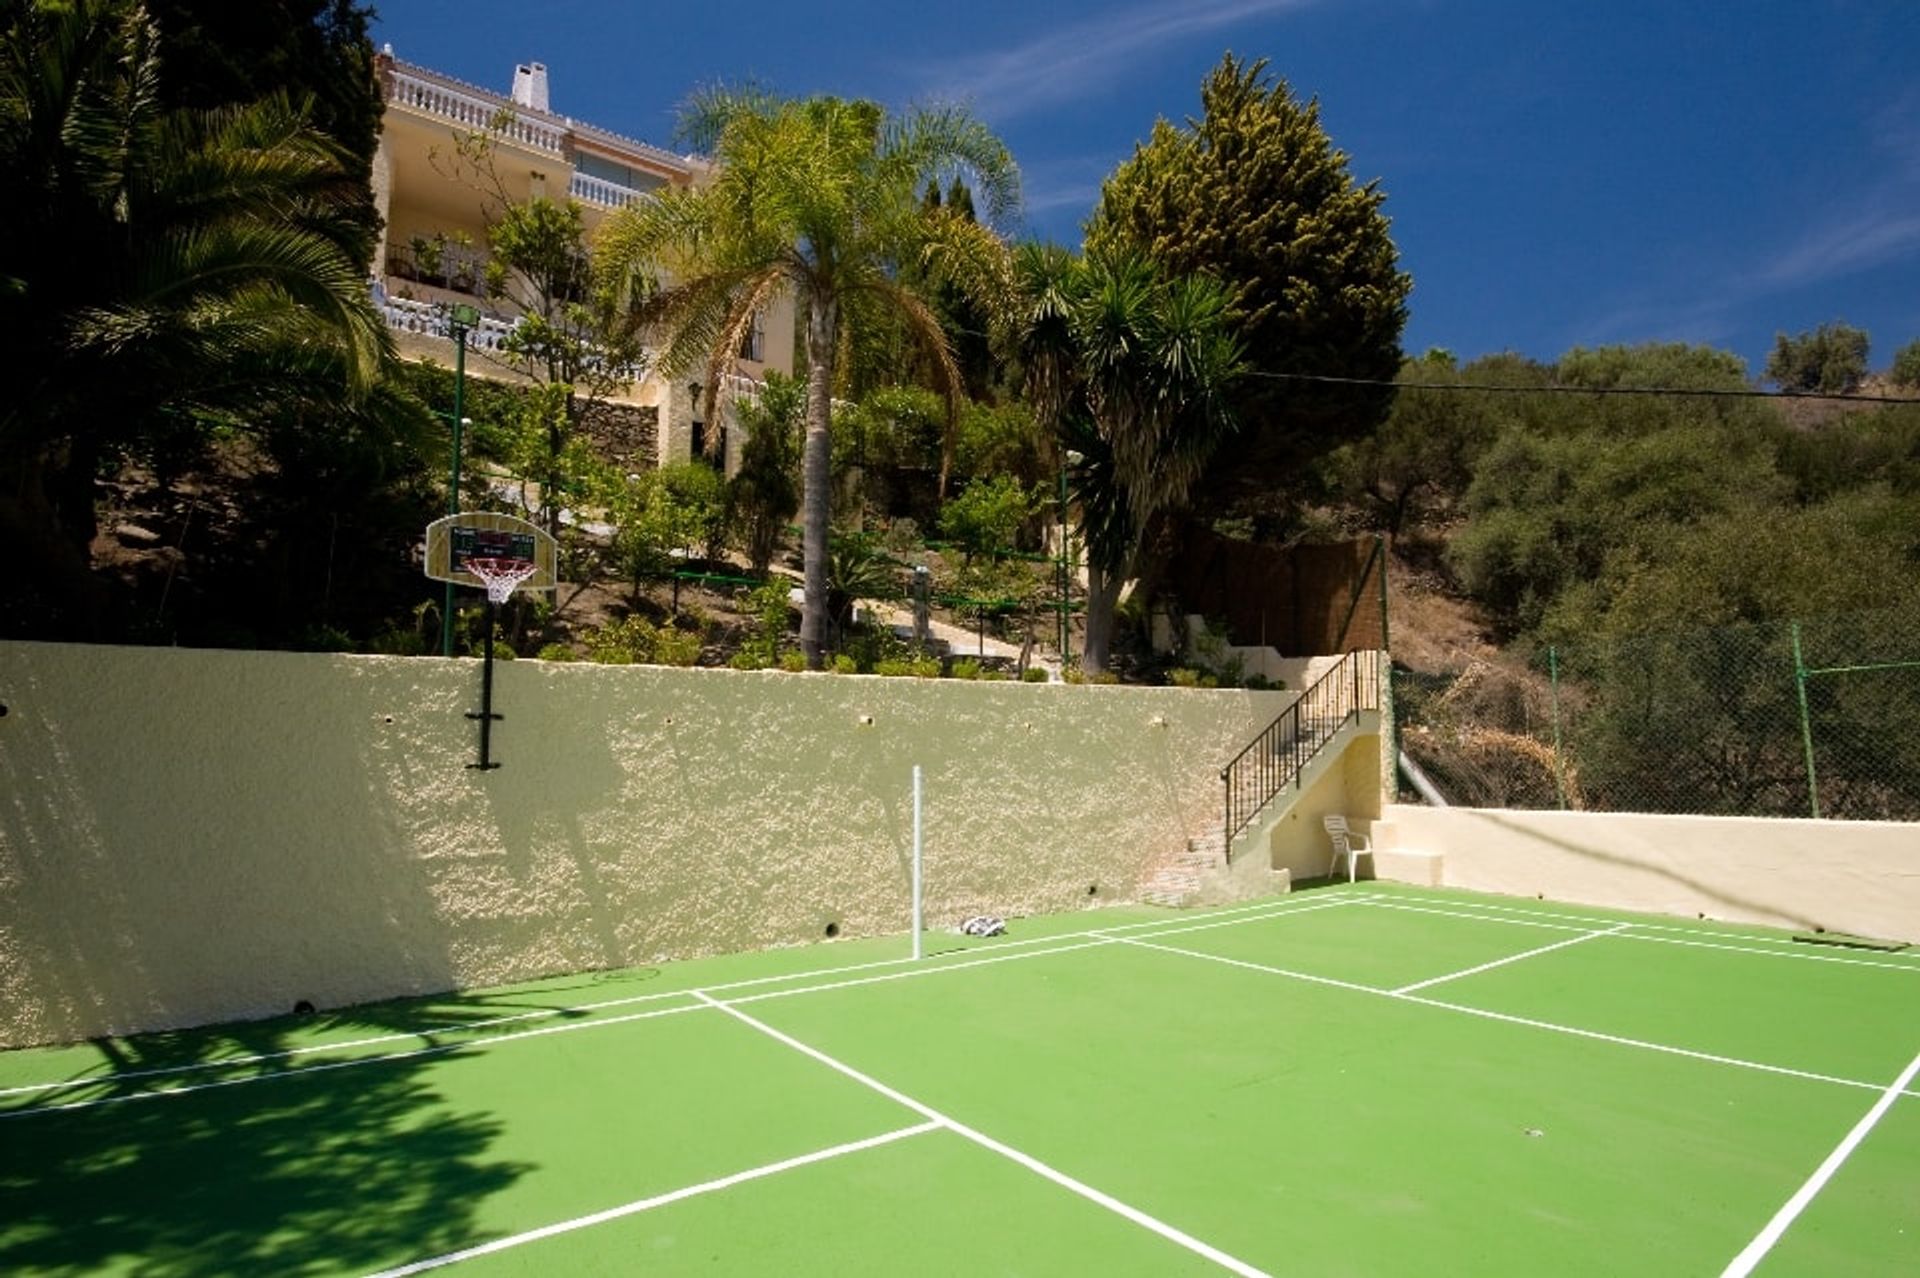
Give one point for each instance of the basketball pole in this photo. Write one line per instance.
(462, 318)
(918, 929)
(486, 716)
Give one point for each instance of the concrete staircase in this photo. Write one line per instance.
(1199, 874)
(1178, 881)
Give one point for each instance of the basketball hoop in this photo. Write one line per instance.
(501, 577)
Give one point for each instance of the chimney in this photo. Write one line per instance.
(530, 85)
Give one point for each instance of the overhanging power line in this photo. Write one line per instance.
(1561, 388)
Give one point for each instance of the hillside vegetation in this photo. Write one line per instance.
(1630, 573)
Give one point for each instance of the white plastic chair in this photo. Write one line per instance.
(1345, 844)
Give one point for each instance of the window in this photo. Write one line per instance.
(753, 343)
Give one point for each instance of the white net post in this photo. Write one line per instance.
(918, 928)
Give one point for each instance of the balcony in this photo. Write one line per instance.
(435, 319)
(602, 193)
(424, 93)
(491, 334)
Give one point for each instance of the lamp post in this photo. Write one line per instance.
(462, 320)
(1068, 458)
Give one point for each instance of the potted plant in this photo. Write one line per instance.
(428, 255)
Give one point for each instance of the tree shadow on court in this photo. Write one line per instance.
(312, 1166)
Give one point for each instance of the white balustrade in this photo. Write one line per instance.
(490, 333)
(592, 190)
(471, 110)
(740, 387)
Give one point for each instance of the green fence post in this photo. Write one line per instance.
(1559, 763)
(1806, 723)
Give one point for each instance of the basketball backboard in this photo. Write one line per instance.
(486, 534)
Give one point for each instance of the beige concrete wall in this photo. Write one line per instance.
(1861, 877)
(189, 836)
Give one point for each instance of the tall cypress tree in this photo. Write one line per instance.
(1255, 194)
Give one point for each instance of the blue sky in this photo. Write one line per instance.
(1557, 175)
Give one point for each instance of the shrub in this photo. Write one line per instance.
(842, 664)
(988, 513)
(635, 639)
(903, 536)
(1184, 677)
(1831, 358)
(793, 662)
(747, 659)
(1906, 364)
(675, 647)
(620, 643)
(557, 652)
(324, 639)
(911, 667)
(965, 669)
(400, 641)
(1034, 674)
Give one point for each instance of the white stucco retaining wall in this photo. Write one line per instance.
(192, 836)
(1861, 877)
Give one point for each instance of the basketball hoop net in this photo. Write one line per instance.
(501, 577)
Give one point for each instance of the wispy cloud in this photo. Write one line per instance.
(1876, 226)
(1070, 183)
(1850, 243)
(1064, 64)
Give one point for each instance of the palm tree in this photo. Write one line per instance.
(154, 267)
(1129, 371)
(816, 199)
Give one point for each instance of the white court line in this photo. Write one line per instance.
(1379, 903)
(437, 1049)
(1210, 924)
(658, 1200)
(1083, 940)
(1511, 958)
(1572, 1030)
(1093, 943)
(1310, 978)
(1784, 947)
(1094, 939)
(1763, 1242)
(1798, 953)
(1032, 1164)
(457, 1027)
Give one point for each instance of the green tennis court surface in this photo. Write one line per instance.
(1365, 1081)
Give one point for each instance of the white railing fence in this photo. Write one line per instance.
(421, 93)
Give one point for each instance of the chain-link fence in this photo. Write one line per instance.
(1801, 718)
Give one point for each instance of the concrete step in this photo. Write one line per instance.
(1177, 880)
(1410, 865)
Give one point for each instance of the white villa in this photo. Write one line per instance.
(433, 251)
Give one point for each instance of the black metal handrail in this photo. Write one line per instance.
(1273, 760)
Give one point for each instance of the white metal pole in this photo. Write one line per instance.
(917, 929)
